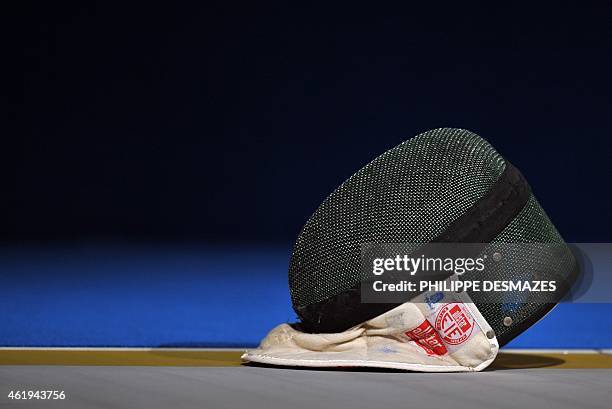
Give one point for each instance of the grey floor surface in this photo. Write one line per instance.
(257, 387)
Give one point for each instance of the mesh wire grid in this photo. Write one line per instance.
(409, 194)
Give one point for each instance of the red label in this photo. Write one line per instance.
(427, 338)
(454, 323)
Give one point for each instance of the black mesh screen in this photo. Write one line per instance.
(409, 194)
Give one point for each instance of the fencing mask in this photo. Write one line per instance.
(442, 186)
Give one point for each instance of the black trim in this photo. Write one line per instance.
(482, 222)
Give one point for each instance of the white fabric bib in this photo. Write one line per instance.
(435, 332)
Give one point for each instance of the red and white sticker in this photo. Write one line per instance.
(427, 338)
(454, 323)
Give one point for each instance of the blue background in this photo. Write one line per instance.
(189, 296)
(161, 158)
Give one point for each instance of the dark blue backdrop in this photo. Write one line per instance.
(166, 123)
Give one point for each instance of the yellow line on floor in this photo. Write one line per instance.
(218, 358)
(553, 360)
(120, 357)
